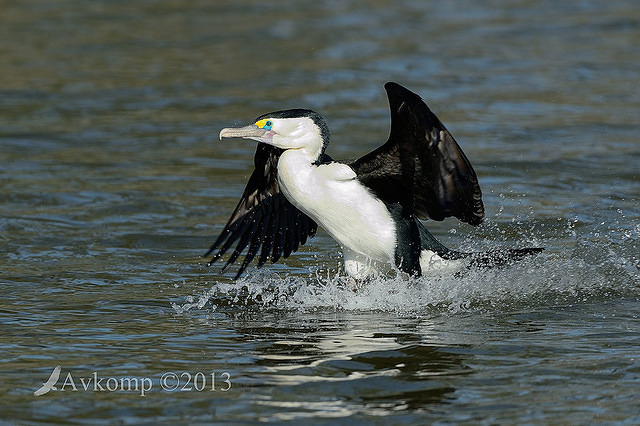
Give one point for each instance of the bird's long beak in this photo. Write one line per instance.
(248, 132)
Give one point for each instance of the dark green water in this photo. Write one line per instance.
(113, 183)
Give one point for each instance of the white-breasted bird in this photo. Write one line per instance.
(371, 206)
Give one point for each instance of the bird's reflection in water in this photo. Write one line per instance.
(365, 365)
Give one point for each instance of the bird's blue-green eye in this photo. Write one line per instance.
(268, 125)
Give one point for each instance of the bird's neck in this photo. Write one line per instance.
(296, 176)
(306, 146)
(302, 157)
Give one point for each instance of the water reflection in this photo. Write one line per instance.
(364, 369)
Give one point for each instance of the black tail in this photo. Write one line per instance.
(487, 259)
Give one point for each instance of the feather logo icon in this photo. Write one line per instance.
(50, 383)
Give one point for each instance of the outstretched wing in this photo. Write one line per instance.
(421, 166)
(264, 220)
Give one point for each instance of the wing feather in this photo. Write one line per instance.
(421, 166)
(267, 244)
(264, 220)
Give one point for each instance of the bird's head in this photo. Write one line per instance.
(288, 129)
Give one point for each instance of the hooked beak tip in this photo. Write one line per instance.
(223, 133)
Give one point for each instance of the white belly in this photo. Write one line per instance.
(332, 196)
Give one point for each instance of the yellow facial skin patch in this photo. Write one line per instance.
(264, 124)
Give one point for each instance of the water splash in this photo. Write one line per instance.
(592, 271)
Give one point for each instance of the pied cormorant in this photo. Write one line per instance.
(371, 206)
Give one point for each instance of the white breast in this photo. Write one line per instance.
(332, 196)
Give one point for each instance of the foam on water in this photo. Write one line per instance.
(593, 269)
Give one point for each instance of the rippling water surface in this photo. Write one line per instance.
(113, 183)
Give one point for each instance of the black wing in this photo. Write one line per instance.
(264, 220)
(421, 165)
